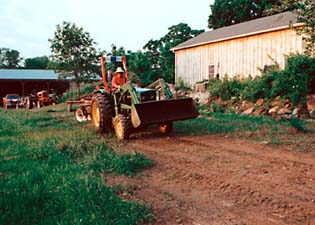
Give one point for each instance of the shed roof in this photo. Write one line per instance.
(23, 74)
(266, 24)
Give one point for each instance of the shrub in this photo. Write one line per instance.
(294, 81)
(260, 87)
(226, 88)
(181, 85)
(215, 87)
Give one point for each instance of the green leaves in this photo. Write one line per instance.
(229, 12)
(162, 58)
(37, 63)
(74, 51)
(9, 59)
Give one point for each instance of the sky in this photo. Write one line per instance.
(26, 25)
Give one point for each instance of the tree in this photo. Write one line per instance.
(305, 11)
(74, 53)
(36, 63)
(140, 68)
(162, 58)
(9, 59)
(229, 12)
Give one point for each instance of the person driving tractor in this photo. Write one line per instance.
(119, 79)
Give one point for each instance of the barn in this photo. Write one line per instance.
(24, 82)
(241, 49)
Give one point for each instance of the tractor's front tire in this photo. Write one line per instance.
(166, 128)
(102, 112)
(122, 126)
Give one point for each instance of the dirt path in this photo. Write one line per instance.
(219, 180)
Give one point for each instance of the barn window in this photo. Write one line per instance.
(211, 72)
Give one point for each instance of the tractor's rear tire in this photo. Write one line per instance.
(122, 126)
(166, 128)
(102, 112)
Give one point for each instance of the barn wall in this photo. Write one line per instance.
(240, 56)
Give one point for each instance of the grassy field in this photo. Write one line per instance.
(51, 167)
(50, 172)
(293, 134)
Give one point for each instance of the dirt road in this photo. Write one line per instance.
(216, 179)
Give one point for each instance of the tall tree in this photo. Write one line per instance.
(229, 12)
(36, 63)
(9, 59)
(74, 53)
(162, 57)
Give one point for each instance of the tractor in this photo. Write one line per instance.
(132, 107)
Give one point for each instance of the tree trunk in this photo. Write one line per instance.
(77, 81)
(304, 113)
(78, 89)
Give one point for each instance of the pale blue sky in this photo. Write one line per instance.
(26, 25)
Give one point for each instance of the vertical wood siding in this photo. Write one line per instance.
(241, 56)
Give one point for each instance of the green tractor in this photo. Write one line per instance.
(131, 107)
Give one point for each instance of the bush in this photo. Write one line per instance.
(294, 81)
(181, 85)
(225, 89)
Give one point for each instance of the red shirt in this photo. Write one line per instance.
(117, 81)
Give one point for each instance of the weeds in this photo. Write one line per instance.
(50, 173)
(260, 128)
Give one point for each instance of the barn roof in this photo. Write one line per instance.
(266, 24)
(23, 74)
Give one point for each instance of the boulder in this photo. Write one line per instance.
(248, 111)
(201, 97)
(259, 111)
(273, 110)
(311, 102)
(284, 110)
(201, 87)
(295, 112)
(260, 102)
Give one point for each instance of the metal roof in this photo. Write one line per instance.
(266, 24)
(23, 74)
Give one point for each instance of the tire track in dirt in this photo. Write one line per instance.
(228, 193)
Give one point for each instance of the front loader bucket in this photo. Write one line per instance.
(155, 112)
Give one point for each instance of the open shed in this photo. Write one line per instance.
(25, 82)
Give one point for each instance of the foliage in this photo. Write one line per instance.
(217, 107)
(229, 12)
(86, 89)
(162, 58)
(9, 58)
(40, 62)
(225, 89)
(74, 52)
(306, 14)
(181, 85)
(141, 68)
(293, 82)
(52, 176)
(297, 124)
(259, 87)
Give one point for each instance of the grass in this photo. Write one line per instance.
(50, 173)
(295, 134)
